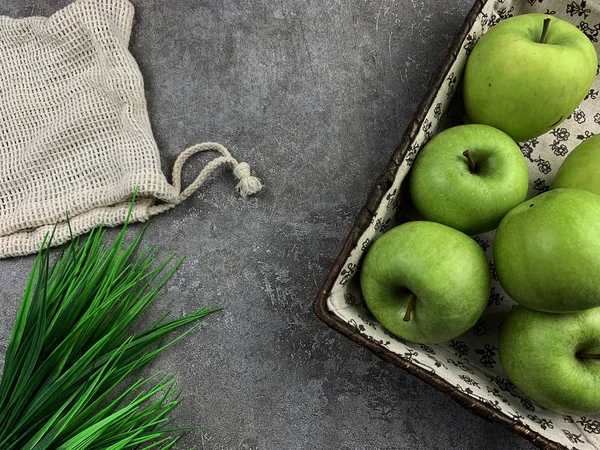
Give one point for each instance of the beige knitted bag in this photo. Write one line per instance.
(75, 138)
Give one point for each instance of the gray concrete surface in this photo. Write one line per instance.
(314, 94)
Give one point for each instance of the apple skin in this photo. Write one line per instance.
(443, 188)
(546, 251)
(446, 271)
(523, 87)
(581, 169)
(538, 352)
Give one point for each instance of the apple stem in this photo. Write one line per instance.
(545, 30)
(409, 307)
(588, 355)
(470, 159)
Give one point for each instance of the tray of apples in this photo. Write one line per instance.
(475, 263)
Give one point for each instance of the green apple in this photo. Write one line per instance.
(524, 80)
(581, 169)
(425, 282)
(547, 251)
(554, 358)
(468, 177)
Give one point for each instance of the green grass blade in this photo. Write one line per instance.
(72, 348)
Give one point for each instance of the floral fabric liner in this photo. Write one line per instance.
(471, 362)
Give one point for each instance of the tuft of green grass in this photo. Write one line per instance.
(65, 383)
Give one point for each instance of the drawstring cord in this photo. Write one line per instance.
(248, 184)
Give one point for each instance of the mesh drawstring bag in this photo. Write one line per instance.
(75, 138)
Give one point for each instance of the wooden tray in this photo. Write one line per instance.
(466, 368)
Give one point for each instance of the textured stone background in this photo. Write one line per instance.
(314, 94)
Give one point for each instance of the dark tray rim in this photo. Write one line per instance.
(378, 191)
